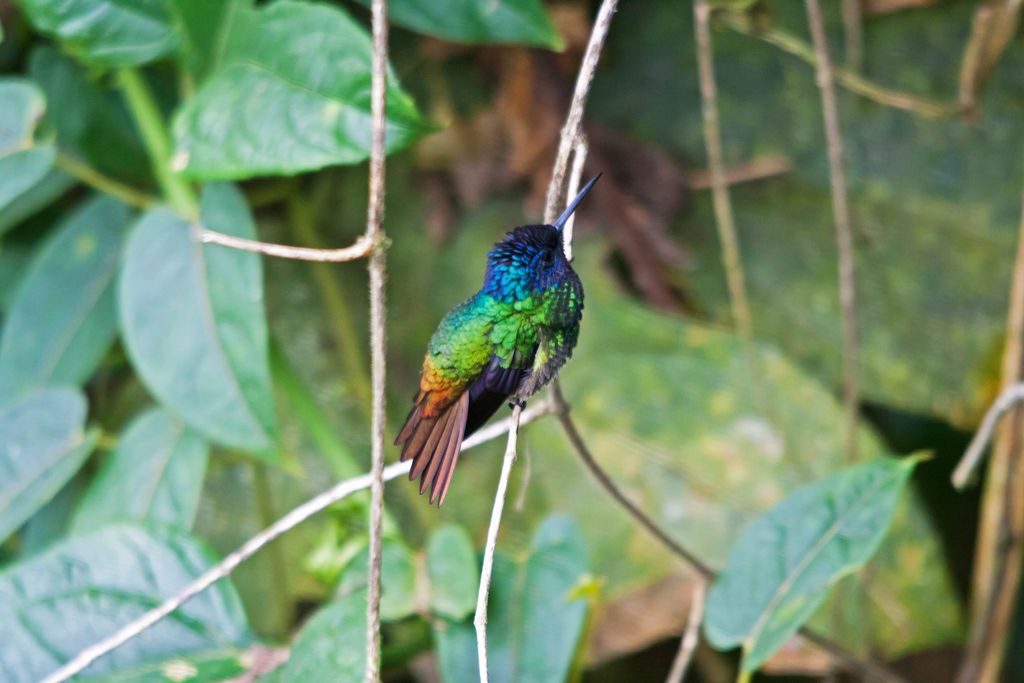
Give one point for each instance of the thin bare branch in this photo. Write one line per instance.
(688, 644)
(756, 169)
(1010, 396)
(579, 157)
(851, 81)
(716, 166)
(844, 234)
(292, 519)
(853, 35)
(375, 235)
(360, 248)
(480, 618)
(574, 121)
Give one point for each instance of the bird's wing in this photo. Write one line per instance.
(554, 347)
(432, 435)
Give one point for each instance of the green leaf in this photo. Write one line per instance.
(471, 21)
(22, 164)
(453, 572)
(154, 475)
(292, 94)
(80, 591)
(534, 619)
(193, 321)
(63, 318)
(106, 33)
(780, 569)
(205, 25)
(41, 447)
(397, 579)
(332, 646)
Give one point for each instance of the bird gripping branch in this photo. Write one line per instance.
(502, 344)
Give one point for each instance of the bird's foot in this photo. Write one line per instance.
(521, 402)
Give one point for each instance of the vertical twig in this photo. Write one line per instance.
(998, 557)
(688, 644)
(579, 158)
(853, 35)
(716, 168)
(375, 234)
(480, 618)
(574, 121)
(844, 238)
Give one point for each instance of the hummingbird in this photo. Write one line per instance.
(502, 344)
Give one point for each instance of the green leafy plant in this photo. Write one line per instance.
(165, 395)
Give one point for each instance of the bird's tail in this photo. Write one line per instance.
(433, 445)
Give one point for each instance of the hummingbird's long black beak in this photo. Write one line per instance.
(560, 223)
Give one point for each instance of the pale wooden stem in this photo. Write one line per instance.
(360, 248)
(483, 592)
(688, 643)
(375, 236)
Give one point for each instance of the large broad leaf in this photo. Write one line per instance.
(193, 321)
(535, 617)
(332, 646)
(292, 93)
(780, 569)
(154, 475)
(453, 572)
(22, 163)
(63, 317)
(73, 595)
(471, 21)
(108, 33)
(42, 445)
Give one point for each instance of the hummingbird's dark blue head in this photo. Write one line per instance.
(530, 258)
(527, 260)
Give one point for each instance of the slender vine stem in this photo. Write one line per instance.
(158, 144)
(88, 175)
